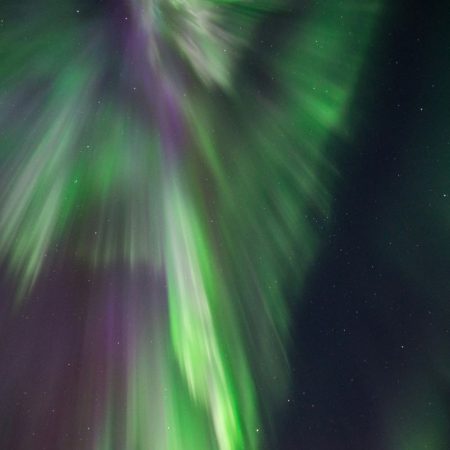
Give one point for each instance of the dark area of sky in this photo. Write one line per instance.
(370, 359)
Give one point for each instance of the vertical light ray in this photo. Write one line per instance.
(192, 280)
(37, 189)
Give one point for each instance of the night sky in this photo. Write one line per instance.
(224, 225)
(370, 358)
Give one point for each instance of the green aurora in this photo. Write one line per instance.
(172, 139)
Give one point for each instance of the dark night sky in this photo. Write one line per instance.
(370, 352)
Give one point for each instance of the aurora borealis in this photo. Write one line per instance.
(170, 178)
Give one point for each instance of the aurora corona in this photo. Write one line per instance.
(166, 157)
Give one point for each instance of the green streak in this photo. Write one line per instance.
(195, 302)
